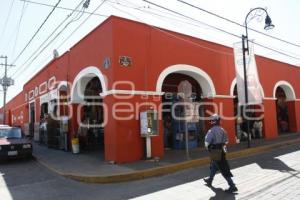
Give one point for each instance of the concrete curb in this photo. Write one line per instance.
(158, 171)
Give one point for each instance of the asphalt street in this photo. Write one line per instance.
(271, 175)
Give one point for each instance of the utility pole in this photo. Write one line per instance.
(5, 82)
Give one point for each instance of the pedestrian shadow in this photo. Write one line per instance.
(221, 194)
(275, 164)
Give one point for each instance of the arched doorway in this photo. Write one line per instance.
(282, 111)
(92, 132)
(87, 86)
(201, 87)
(254, 115)
(285, 95)
(174, 129)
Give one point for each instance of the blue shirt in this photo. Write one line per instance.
(216, 135)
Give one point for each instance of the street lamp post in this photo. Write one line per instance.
(268, 26)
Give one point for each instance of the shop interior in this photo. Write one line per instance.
(282, 111)
(174, 128)
(255, 121)
(91, 130)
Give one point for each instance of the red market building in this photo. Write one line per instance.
(124, 67)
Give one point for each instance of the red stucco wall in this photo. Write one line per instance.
(152, 50)
(270, 119)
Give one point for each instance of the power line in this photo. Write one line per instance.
(67, 37)
(236, 23)
(63, 8)
(180, 14)
(7, 18)
(139, 8)
(81, 23)
(174, 17)
(68, 16)
(219, 29)
(175, 36)
(277, 51)
(18, 28)
(40, 27)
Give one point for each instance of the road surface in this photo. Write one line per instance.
(271, 175)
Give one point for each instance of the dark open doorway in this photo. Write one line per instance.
(174, 129)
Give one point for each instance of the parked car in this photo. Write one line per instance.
(13, 143)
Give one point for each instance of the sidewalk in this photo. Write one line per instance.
(91, 167)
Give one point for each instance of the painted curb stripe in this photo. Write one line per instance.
(163, 170)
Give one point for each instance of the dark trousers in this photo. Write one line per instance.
(214, 167)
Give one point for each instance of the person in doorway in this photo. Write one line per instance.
(257, 129)
(216, 139)
(240, 134)
(167, 131)
(43, 129)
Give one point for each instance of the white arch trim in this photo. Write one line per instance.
(87, 72)
(62, 84)
(198, 74)
(287, 88)
(233, 83)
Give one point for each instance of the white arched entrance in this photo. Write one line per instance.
(284, 94)
(287, 88)
(85, 91)
(82, 79)
(197, 85)
(198, 74)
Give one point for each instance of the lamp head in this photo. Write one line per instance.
(268, 23)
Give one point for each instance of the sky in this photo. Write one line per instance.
(19, 21)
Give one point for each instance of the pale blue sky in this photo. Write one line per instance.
(17, 31)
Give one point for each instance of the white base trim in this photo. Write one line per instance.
(269, 98)
(224, 96)
(292, 100)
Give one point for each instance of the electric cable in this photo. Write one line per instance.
(261, 45)
(18, 28)
(180, 14)
(41, 45)
(63, 8)
(236, 23)
(214, 28)
(277, 51)
(81, 23)
(37, 31)
(67, 37)
(6, 20)
(219, 29)
(166, 32)
(160, 16)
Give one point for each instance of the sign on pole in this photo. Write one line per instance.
(253, 84)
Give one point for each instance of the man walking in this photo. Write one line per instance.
(215, 141)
